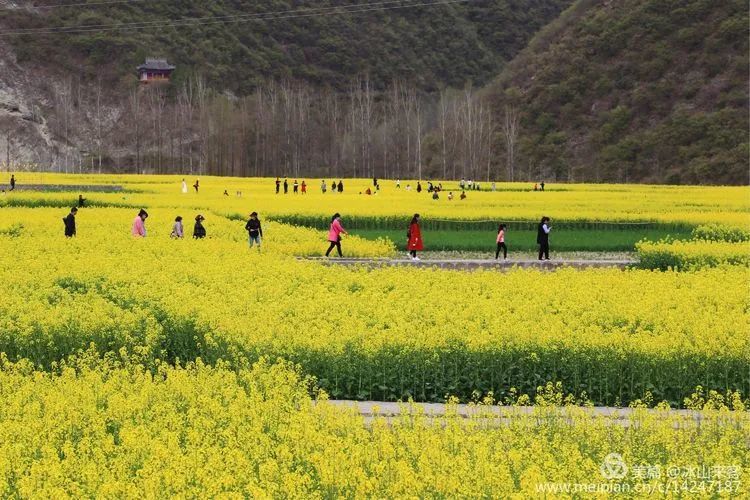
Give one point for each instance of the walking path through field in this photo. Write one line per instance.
(470, 264)
(504, 414)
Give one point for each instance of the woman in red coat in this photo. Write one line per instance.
(415, 242)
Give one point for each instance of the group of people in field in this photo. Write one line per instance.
(138, 227)
(338, 187)
(415, 243)
(301, 188)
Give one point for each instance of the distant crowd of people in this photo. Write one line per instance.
(338, 187)
(301, 187)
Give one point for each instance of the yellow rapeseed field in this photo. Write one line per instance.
(570, 202)
(366, 333)
(96, 429)
(127, 365)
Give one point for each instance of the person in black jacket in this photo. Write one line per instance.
(255, 232)
(81, 201)
(12, 182)
(286, 186)
(70, 223)
(341, 187)
(542, 238)
(198, 230)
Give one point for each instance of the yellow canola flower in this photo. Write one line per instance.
(380, 333)
(680, 205)
(695, 254)
(95, 429)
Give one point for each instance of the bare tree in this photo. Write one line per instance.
(510, 131)
(201, 99)
(443, 125)
(135, 116)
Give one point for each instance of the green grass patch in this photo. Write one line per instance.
(525, 240)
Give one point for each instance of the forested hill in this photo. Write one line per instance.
(236, 44)
(633, 91)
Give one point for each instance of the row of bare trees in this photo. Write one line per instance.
(289, 128)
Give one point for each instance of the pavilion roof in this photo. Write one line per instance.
(157, 64)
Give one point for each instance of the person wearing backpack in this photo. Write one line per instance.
(414, 235)
(255, 232)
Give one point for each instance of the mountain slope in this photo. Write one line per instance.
(433, 45)
(634, 91)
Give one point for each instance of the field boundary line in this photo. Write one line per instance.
(500, 414)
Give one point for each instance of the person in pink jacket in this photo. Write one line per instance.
(501, 242)
(139, 224)
(334, 234)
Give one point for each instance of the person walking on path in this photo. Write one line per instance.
(414, 235)
(334, 234)
(199, 231)
(255, 232)
(177, 229)
(303, 187)
(341, 186)
(286, 186)
(139, 224)
(501, 242)
(196, 185)
(542, 238)
(278, 185)
(184, 187)
(70, 223)
(12, 182)
(296, 187)
(323, 186)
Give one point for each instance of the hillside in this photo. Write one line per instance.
(633, 91)
(432, 45)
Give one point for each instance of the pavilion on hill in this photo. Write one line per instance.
(155, 71)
